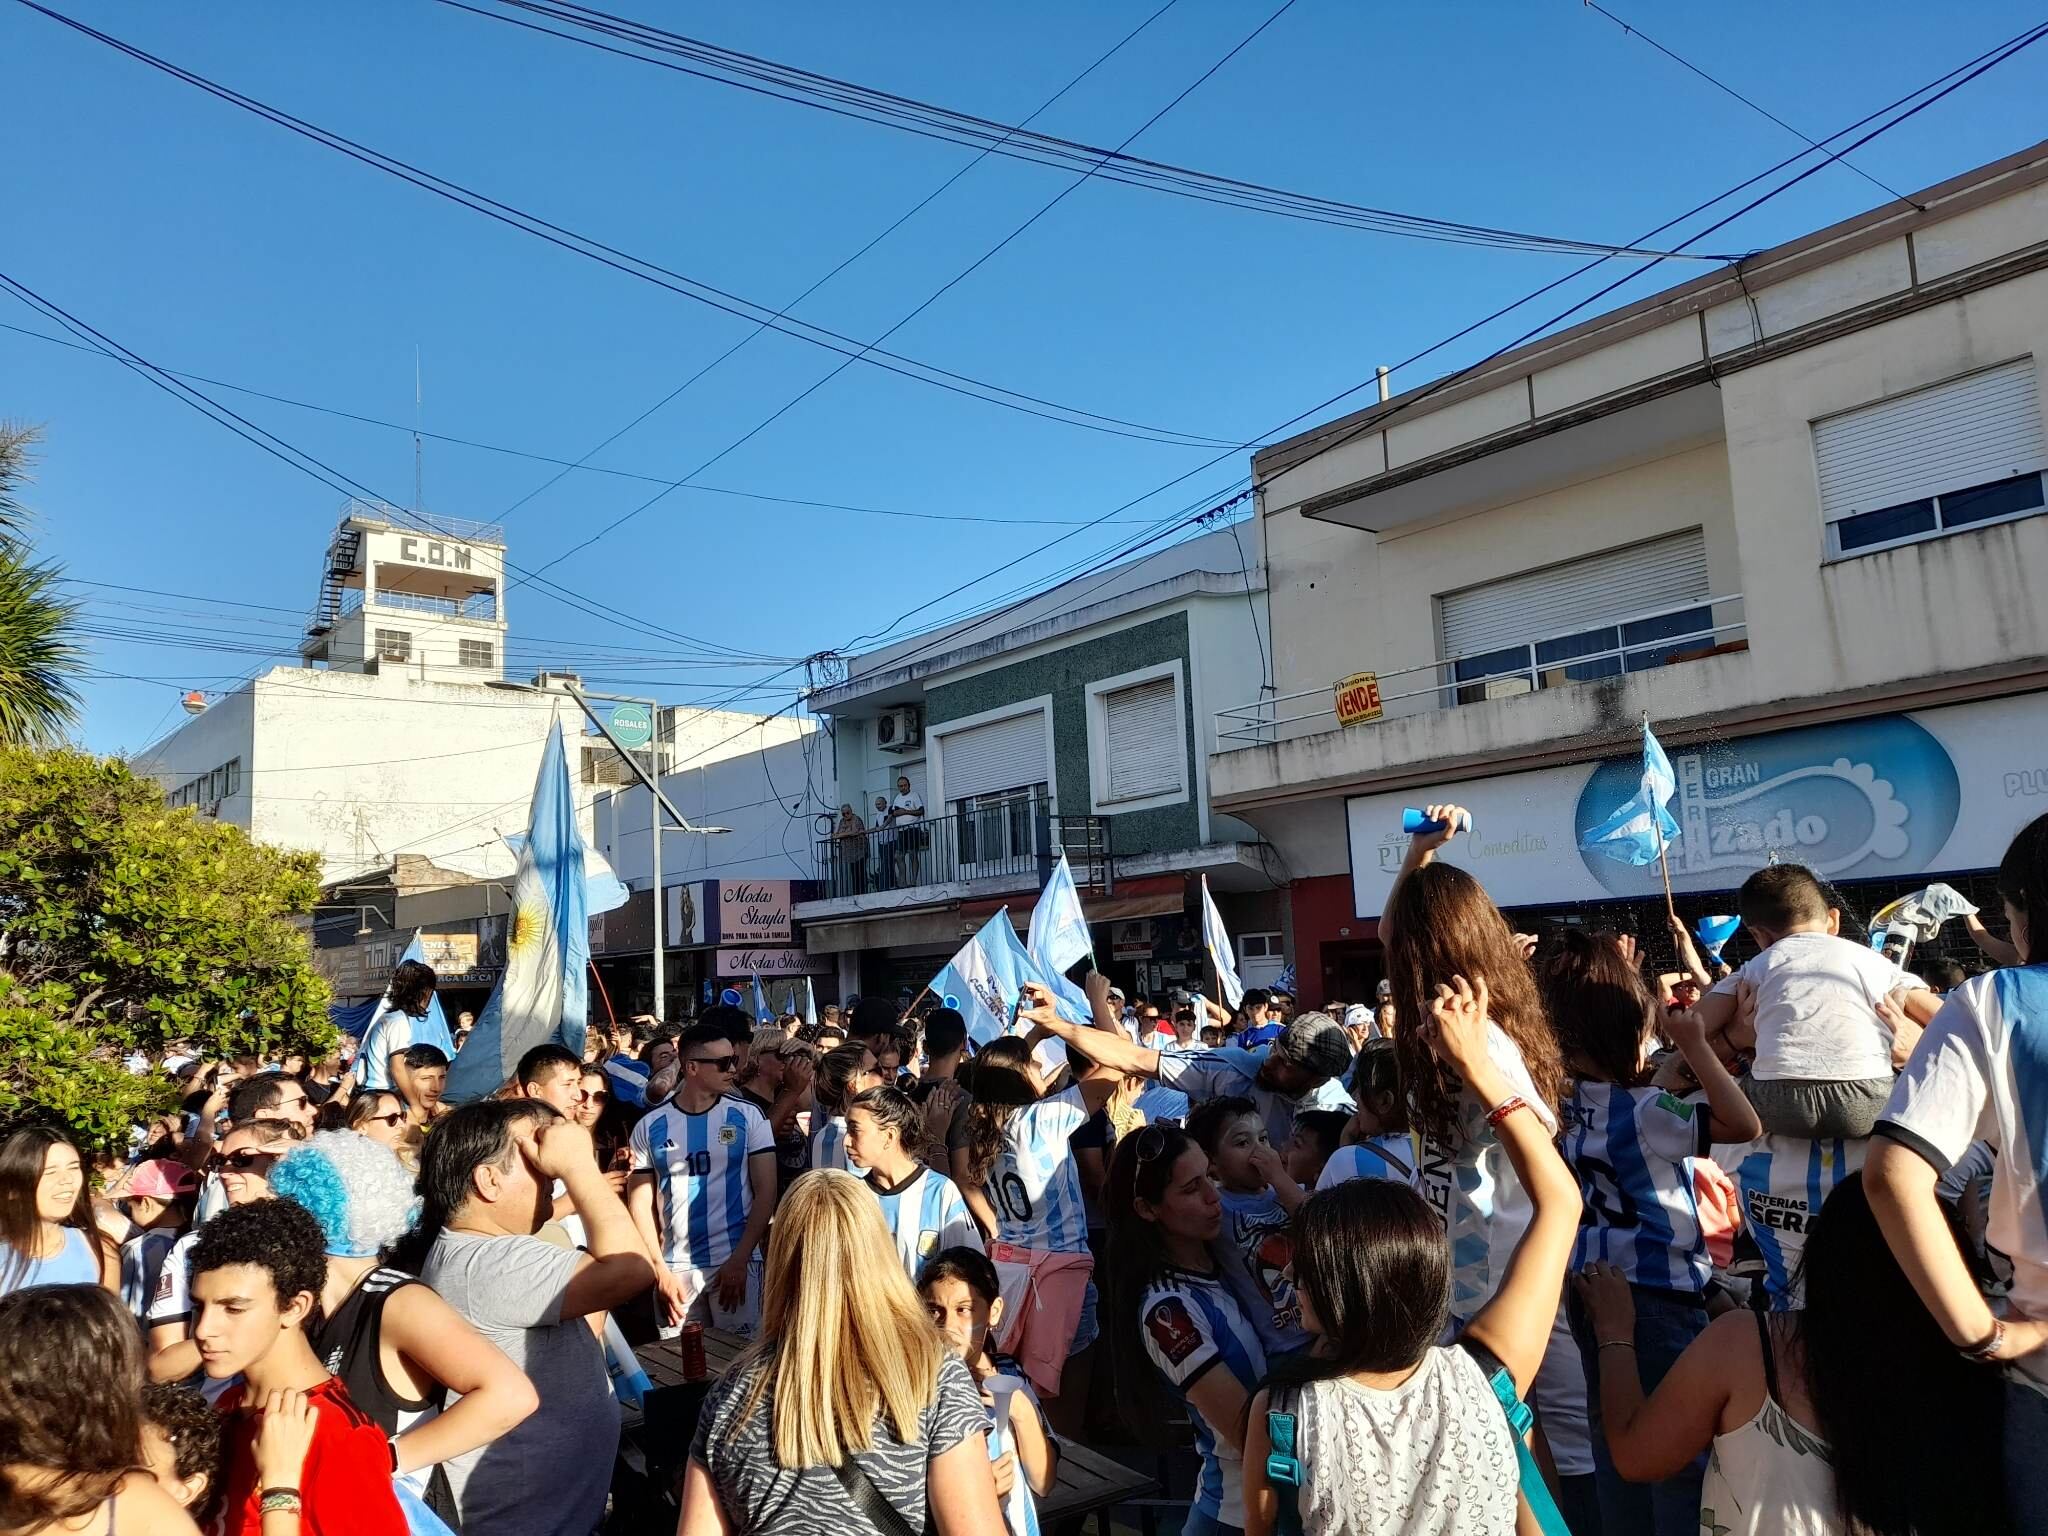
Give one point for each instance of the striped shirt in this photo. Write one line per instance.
(1632, 1150)
(1783, 1181)
(828, 1144)
(926, 1215)
(1377, 1157)
(702, 1188)
(1020, 1509)
(1192, 1323)
(1034, 1184)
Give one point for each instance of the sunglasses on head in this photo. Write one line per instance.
(1151, 1144)
(722, 1063)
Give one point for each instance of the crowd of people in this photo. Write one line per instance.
(1535, 1239)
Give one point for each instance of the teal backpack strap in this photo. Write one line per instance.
(1534, 1489)
(1283, 1469)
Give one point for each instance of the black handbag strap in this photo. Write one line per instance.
(867, 1498)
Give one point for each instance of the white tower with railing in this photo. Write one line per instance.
(412, 593)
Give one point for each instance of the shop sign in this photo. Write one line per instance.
(1358, 698)
(1131, 939)
(772, 962)
(706, 912)
(1935, 791)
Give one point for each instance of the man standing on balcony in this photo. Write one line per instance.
(906, 815)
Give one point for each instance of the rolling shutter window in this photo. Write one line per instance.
(988, 759)
(1948, 437)
(1143, 741)
(1565, 599)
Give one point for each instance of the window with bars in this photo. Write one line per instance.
(474, 653)
(394, 645)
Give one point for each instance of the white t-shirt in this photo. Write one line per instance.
(391, 1033)
(1981, 1071)
(909, 801)
(1816, 1009)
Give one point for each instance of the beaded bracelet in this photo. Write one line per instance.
(281, 1501)
(1506, 1107)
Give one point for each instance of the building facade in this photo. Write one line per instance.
(1079, 721)
(1790, 512)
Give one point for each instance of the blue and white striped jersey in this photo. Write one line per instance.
(1981, 1073)
(1783, 1182)
(1033, 1184)
(1473, 1189)
(1020, 1509)
(1377, 1157)
(828, 1144)
(1191, 1324)
(702, 1188)
(1632, 1150)
(926, 1216)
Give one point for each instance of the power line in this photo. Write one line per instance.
(1949, 82)
(935, 295)
(541, 458)
(1014, 141)
(1757, 107)
(639, 267)
(904, 218)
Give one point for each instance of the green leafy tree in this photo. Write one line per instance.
(125, 924)
(39, 652)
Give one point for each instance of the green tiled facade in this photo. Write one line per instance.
(1065, 676)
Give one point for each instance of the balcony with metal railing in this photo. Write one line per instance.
(1009, 845)
(478, 605)
(461, 529)
(1604, 648)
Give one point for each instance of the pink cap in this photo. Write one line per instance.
(160, 1178)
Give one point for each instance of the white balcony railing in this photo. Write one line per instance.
(1633, 642)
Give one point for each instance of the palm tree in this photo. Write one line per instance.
(39, 650)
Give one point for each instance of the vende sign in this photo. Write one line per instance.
(753, 911)
(1358, 698)
(771, 962)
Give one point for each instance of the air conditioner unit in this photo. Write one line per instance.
(900, 730)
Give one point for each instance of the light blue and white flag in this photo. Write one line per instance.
(1642, 828)
(1222, 958)
(810, 1004)
(1714, 933)
(1058, 936)
(545, 993)
(985, 980)
(763, 1014)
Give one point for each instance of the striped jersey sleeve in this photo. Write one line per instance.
(1632, 1149)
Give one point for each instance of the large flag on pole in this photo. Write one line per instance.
(1222, 958)
(1642, 828)
(810, 1004)
(985, 980)
(763, 1014)
(545, 993)
(1058, 936)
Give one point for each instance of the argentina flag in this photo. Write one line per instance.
(545, 993)
(1222, 958)
(1641, 829)
(1058, 936)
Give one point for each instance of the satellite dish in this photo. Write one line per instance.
(195, 703)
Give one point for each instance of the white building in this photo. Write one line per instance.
(1791, 510)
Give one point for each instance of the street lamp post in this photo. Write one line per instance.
(660, 803)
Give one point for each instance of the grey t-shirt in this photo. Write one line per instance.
(551, 1472)
(764, 1499)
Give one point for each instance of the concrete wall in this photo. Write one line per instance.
(203, 743)
(767, 786)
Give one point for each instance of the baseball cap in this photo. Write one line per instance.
(1384, 991)
(159, 1178)
(1316, 1043)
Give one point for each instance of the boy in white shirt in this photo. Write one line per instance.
(1823, 1052)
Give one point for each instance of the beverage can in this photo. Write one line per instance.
(690, 1348)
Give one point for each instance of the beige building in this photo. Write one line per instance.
(1789, 509)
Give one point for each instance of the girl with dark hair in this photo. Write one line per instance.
(1398, 1434)
(47, 1228)
(1982, 1070)
(921, 1206)
(396, 1029)
(1180, 1307)
(71, 1456)
(1801, 1409)
(1631, 1141)
(1439, 924)
(842, 1076)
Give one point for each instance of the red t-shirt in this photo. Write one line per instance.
(345, 1485)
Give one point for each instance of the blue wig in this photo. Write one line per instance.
(356, 1189)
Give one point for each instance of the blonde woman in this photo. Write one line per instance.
(848, 1400)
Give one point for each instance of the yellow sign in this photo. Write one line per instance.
(1358, 698)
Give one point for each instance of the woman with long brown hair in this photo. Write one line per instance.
(71, 1458)
(47, 1228)
(1439, 924)
(847, 1399)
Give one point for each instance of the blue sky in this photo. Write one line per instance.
(211, 242)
